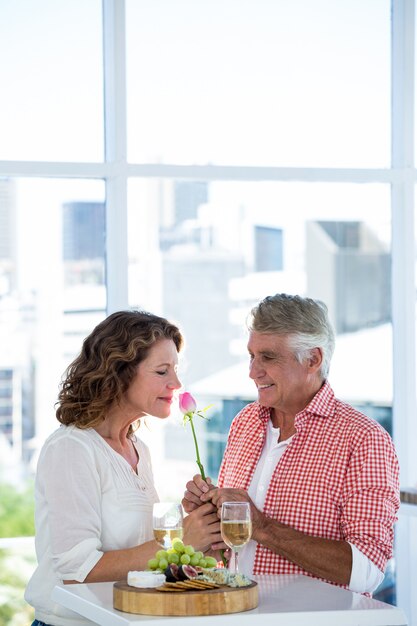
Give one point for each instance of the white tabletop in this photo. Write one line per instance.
(284, 600)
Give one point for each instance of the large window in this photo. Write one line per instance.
(52, 77)
(190, 158)
(259, 83)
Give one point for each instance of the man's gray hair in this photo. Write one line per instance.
(304, 320)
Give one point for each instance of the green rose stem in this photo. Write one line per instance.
(201, 468)
(188, 407)
(198, 461)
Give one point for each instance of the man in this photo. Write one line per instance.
(322, 478)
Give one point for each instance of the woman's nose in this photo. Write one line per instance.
(175, 383)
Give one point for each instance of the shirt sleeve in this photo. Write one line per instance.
(226, 454)
(223, 465)
(365, 576)
(371, 497)
(69, 487)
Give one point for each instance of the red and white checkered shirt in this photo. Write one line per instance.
(337, 479)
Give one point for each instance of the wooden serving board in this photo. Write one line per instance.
(201, 602)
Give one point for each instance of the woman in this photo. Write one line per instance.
(94, 486)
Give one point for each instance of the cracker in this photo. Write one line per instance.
(180, 584)
(188, 585)
(201, 584)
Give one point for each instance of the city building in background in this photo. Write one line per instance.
(188, 197)
(8, 237)
(210, 268)
(84, 242)
(269, 254)
(350, 270)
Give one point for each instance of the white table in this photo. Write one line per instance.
(284, 600)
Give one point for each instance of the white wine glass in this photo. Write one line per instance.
(236, 527)
(167, 523)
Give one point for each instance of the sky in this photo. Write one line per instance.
(271, 82)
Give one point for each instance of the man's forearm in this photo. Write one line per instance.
(326, 558)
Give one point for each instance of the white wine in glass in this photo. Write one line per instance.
(236, 527)
(167, 523)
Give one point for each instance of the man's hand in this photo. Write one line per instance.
(195, 488)
(218, 496)
(330, 559)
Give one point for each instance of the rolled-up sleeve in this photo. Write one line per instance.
(69, 486)
(371, 498)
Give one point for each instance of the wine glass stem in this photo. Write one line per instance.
(236, 562)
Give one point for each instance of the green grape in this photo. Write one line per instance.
(178, 545)
(189, 550)
(161, 554)
(202, 563)
(173, 558)
(185, 559)
(194, 559)
(211, 561)
(153, 564)
(200, 555)
(163, 564)
(171, 551)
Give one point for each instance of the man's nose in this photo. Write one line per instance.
(255, 370)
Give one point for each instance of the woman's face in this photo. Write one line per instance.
(151, 391)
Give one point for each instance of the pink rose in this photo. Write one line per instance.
(187, 403)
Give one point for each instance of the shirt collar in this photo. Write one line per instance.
(322, 405)
(264, 414)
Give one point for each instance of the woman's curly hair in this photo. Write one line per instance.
(107, 364)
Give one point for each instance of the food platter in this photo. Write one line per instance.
(146, 601)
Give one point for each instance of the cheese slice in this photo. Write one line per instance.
(145, 579)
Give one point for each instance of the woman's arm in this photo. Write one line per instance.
(70, 493)
(201, 530)
(115, 565)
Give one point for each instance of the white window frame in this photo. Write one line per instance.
(402, 177)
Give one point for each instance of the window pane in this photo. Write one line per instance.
(52, 293)
(52, 107)
(294, 82)
(196, 261)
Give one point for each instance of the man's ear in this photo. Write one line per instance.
(315, 359)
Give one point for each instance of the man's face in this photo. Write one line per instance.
(283, 383)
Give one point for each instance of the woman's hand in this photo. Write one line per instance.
(222, 554)
(195, 488)
(202, 528)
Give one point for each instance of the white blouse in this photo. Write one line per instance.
(88, 500)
